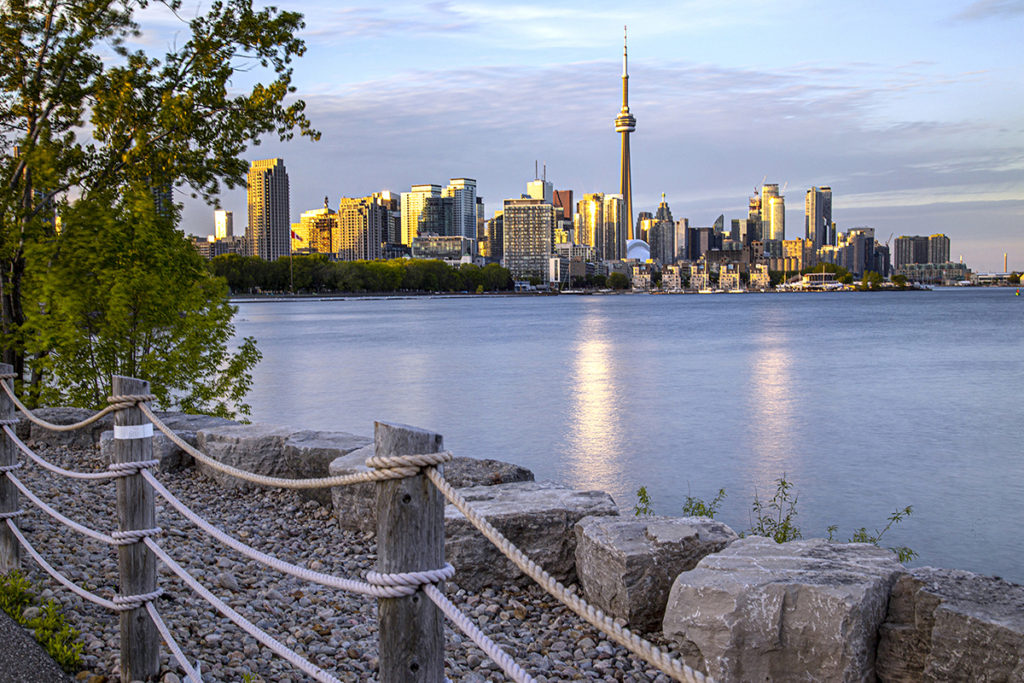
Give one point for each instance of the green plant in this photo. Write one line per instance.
(775, 519)
(49, 627)
(643, 503)
(903, 553)
(697, 507)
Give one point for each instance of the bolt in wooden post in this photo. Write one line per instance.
(136, 509)
(410, 537)
(10, 549)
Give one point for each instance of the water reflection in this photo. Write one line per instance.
(771, 398)
(595, 442)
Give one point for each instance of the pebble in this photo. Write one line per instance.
(336, 630)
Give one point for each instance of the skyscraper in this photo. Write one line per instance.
(662, 238)
(529, 225)
(938, 248)
(361, 225)
(625, 123)
(601, 224)
(463, 194)
(223, 224)
(773, 213)
(268, 231)
(412, 207)
(818, 215)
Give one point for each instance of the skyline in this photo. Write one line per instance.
(908, 112)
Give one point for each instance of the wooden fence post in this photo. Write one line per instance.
(410, 537)
(136, 509)
(10, 549)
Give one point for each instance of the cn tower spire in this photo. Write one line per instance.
(625, 123)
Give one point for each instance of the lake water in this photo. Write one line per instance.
(867, 402)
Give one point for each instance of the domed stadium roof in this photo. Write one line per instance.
(638, 249)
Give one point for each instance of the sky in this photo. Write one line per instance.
(913, 112)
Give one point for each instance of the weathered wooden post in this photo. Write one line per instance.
(410, 537)
(136, 509)
(10, 549)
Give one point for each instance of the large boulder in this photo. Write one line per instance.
(86, 437)
(257, 448)
(626, 565)
(803, 610)
(538, 517)
(184, 425)
(952, 625)
(309, 455)
(356, 505)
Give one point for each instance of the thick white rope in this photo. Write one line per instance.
(271, 561)
(130, 536)
(257, 633)
(126, 401)
(123, 603)
(63, 580)
(55, 468)
(280, 482)
(623, 636)
(411, 579)
(124, 469)
(191, 675)
(12, 514)
(91, 533)
(502, 658)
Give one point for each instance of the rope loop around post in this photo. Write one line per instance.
(9, 468)
(123, 603)
(125, 469)
(13, 422)
(408, 462)
(411, 579)
(134, 535)
(12, 514)
(128, 400)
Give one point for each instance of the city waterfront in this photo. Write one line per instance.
(867, 402)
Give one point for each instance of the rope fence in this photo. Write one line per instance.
(398, 475)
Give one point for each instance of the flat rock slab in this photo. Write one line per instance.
(310, 453)
(763, 611)
(952, 625)
(86, 437)
(538, 517)
(257, 447)
(184, 425)
(626, 565)
(355, 505)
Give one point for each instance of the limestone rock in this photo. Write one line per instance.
(309, 455)
(86, 437)
(952, 625)
(355, 506)
(626, 565)
(184, 425)
(803, 610)
(536, 516)
(257, 447)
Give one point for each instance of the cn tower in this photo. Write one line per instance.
(625, 123)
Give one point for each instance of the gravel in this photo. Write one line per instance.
(335, 630)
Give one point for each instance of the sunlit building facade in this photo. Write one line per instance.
(413, 204)
(223, 224)
(601, 222)
(267, 233)
(314, 232)
(528, 230)
(773, 213)
(462, 192)
(818, 216)
(360, 232)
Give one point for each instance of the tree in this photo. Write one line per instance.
(1014, 278)
(618, 281)
(900, 281)
(153, 125)
(105, 308)
(871, 281)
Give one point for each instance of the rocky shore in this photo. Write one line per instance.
(335, 630)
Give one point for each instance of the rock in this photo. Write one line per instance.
(952, 625)
(171, 457)
(626, 565)
(355, 506)
(536, 516)
(30, 613)
(310, 454)
(86, 437)
(257, 447)
(803, 610)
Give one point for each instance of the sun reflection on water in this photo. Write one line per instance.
(772, 406)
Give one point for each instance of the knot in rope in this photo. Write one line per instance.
(12, 422)
(9, 468)
(123, 603)
(134, 535)
(11, 515)
(410, 581)
(128, 468)
(8, 375)
(407, 465)
(128, 400)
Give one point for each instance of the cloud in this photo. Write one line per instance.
(377, 21)
(991, 9)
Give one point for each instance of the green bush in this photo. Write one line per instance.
(50, 628)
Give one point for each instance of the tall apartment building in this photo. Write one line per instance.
(938, 249)
(267, 233)
(773, 213)
(392, 204)
(223, 224)
(360, 232)
(528, 227)
(601, 222)
(462, 191)
(818, 215)
(541, 189)
(413, 204)
(316, 230)
(662, 234)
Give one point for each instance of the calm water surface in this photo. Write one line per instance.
(867, 402)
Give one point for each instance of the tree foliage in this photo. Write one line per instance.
(84, 117)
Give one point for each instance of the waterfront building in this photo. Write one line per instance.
(625, 123)
(773, 213)
(360, 229)
(267, 233)
(910, 249)
(935, 273)
(818, 215)
(452, 249)
(729, 277)
(462, 192)
(938, 249)
(528, 229)
(601, 223)
(640, 277)
(223, 224)
(413, 204)
(672, 279)
(759, 277)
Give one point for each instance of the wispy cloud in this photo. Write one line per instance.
(991, 9)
